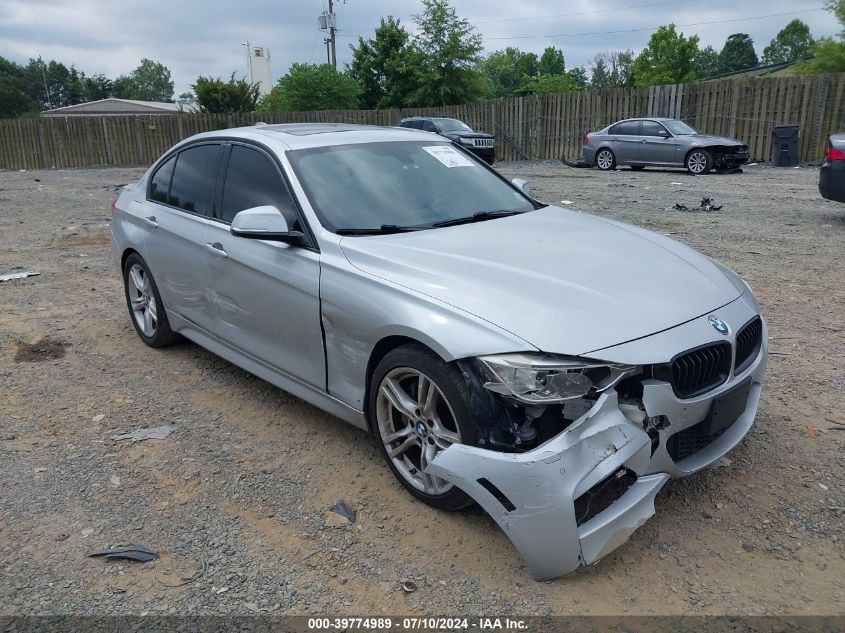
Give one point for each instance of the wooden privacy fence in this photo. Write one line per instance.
(543, 127)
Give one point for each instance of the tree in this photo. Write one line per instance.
(14, 99)
(552, 62)
(97, 87)
(599, 75)
(578, 75)
(546, 84)
(707, 62)
(312, 87)
(383, 67)
(53, 85)
(828, 52)
(792, 42)
(216, 95)
(150, 81)
(448, 48)
(669, 58)
(738, 54)
(508, 70)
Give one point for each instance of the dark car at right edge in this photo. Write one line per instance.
(832, 172)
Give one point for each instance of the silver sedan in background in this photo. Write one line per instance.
(664, 143)
(554, 367)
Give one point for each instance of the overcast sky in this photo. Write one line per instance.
(204, 37)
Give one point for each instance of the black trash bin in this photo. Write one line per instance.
(785, 147)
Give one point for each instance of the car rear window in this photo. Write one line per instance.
(626, 128)
(252, 180)
(192, 187)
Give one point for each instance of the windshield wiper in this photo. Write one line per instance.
(476, 217)
(384, 229)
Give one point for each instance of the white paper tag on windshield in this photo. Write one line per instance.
(449, 156)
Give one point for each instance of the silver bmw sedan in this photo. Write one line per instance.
(554, 367)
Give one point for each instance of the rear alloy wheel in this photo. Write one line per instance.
(145, 306)
(699, 162)
(416, 402)
(605, 159)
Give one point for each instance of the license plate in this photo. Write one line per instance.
(728, 407)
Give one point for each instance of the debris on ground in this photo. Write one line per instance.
(155, 433)
(409, 586)
(811, 431)
(21, 275)
(340, 514)
(45, 349)
(707, 204)
(566, 202)
(130, 552)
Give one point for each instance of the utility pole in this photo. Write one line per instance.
(332, 31)
(248, 60)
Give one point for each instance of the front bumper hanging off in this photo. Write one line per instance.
(532, 495)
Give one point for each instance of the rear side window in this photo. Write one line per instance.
(428, 126)
(653, 128)
(252, 180)
(192, 187)
(626, 128)
(160, 184)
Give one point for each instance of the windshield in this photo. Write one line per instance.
(453, 125)
(399, 184)
(679, 128)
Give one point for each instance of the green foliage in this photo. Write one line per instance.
(669, 58)
(599, 73)
(707, 62)
(546, 84)
(53, 85)
(507, 71)
(612, 70)
(791, 43)
(312, 87)
(216, 95)
(828, 52)
(552, 62)
(14, 98)
(578, 75)
(447, 50)
(738, 54)
(96, 87)
(383, 66)
(150, 81)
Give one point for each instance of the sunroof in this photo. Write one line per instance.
(307, 129)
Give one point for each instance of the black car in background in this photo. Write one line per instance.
(479, 143)
(832, 172)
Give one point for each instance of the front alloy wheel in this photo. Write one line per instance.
(418, 404)
(698, 162)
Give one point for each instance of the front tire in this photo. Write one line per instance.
(699, 162)
(144, 302)
(605, 159)
(418, 406)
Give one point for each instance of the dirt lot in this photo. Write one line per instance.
(235, 499)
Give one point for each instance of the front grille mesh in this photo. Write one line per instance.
(748, 342)
(689, 441)
(701, 369)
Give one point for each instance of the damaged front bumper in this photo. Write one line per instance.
(534, 495)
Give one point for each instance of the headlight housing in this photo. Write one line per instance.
(547, 379)
(463, 140)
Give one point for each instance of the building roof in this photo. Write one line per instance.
(115, 106)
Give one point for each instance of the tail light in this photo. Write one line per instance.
(586, 139)
(835, 154)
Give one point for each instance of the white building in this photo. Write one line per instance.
(259, 68)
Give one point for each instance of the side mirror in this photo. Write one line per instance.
(664, 134)
(263, 223)
(523, 186)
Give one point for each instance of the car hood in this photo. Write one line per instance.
(563, 281)
(467, 134)
(706, 139)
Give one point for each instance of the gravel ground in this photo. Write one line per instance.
(235, 499)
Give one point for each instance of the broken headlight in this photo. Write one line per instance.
(546, 379)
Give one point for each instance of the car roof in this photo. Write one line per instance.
(647, 118)
(304, 135)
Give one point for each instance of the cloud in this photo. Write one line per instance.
(193, 37)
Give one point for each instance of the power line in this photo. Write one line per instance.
(565, 15)
(751, 17)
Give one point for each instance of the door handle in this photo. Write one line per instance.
(216, 249)
(151, 220)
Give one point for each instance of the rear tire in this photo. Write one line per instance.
(418, 406)
(605, 159)
(146, 308)
(699, 162)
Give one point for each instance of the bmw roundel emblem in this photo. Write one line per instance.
(720, 326)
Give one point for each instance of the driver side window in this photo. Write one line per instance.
(252, 180)
(428, 126)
